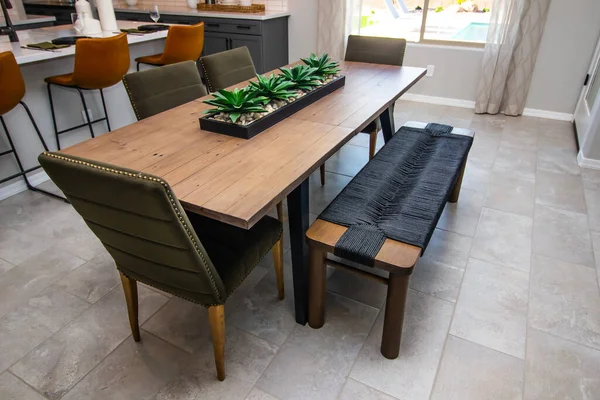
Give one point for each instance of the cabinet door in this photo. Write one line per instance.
(215, 43)
(254, 44)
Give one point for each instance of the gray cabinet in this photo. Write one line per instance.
(267, 40)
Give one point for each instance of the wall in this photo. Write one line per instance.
(566, 50)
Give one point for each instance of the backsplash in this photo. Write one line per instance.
(270, 5)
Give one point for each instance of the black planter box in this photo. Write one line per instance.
(247, 131)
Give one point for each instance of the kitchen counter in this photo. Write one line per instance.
(25, 56)
(143, 7)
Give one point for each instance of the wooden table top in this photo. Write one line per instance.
(238, 181)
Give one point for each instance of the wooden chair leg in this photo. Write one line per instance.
(278, 265)
(322, 169)
(317, 277)
(372, 143)
(131, 297)
(456, 190)
(280, 212)
(216, 317)
(394, 315)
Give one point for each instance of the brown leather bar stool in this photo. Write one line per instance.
(12, 91)
(184, 43)
(99, 64)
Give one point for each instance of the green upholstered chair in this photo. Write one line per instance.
(160, 89)
(374, 50)
(227, 68)
(153, 240)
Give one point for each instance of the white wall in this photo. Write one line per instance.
(565, 52)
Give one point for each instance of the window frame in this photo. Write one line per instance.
(422, 39)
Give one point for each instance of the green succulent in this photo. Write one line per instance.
(236, 102)
(303, 76)
(324, 65)
(273, 87)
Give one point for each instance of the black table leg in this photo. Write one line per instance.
(387, 123)
(298, 218)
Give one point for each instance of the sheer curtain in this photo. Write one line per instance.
(513, 41)
(336, 21)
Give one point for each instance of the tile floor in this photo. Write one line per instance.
(505, 304)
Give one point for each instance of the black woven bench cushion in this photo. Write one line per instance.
(400, 194)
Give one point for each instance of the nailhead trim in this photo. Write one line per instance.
(135, 110)
(210, 87)
(169, 194)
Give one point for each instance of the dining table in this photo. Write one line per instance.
(238, 181)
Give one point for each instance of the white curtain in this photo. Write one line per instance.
(513, 41)
(336, 20)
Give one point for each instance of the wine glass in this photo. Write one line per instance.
(154, 14)
(77, 20)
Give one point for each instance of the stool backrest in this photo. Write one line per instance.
(375, 50)
(140, 222)
(100, 63)
(184, 43)
(12, 85)
(227, 68)
(159, 89)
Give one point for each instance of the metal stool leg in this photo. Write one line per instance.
(23, 171)
(53, 116)
(87, 115)
(37, 130)
(105, 112)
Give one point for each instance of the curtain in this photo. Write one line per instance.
(335, 24)
(513, 41)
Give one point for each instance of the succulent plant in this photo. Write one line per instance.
(324, 65)
(303, 76)
(236, 102)
(273, 87)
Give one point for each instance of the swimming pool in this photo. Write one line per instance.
(474, 32)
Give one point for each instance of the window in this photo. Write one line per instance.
(429, 21)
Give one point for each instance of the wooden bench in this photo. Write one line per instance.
(397, 258)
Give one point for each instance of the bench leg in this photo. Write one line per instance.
(317, 277)
(456, 190)
(394, 315)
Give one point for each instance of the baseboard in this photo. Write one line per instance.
(587, 162)
(446, 101)
(20, 186)
(532, 112)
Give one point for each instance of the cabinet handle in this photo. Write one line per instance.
(213, 25)
(244, 27)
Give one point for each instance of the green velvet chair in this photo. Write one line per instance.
(160, 89)
(227, 68)
(373, 50)
(153, 240)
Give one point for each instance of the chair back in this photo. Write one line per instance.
(159, 89)
(227, 68)
(375, 50)
(142, 225)
(12, 85)
(100, 63)
(184, 43)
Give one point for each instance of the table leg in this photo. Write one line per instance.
(298, 219)
(387, 123)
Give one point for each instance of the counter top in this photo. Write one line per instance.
(141, 7)
(29, 19)
(26, 56)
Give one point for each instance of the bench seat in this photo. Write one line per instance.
(397, 258)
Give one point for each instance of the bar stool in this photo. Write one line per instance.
(12, 91)
(99, 64)
(184, 43)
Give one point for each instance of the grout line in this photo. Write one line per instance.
(26, 384)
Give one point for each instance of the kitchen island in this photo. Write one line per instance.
(37, 65)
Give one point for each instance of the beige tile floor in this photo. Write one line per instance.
(505, 304)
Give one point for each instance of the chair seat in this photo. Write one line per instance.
(62, 80)
(155, 59)
(235, 251)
